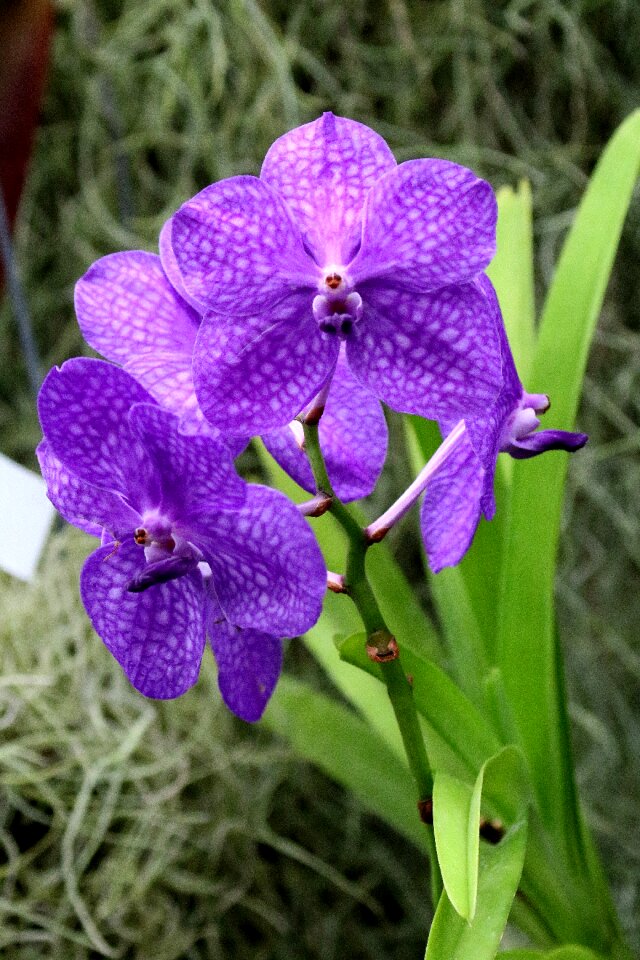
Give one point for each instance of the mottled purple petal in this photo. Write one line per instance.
(485, 431)
(353, 435)
(353, 438)
(324, 170)
(169, 380)
(427, 224)
(543, 440)
(283, 446)
(238, 249)
(451, 508)
(196, 472)
(434, 354)
(126, 306)
(82, 407)
(249, 664)
(84, 505)
(255, 374)
(157, 636)
(267, 569)
(130, 312)
(171, 268)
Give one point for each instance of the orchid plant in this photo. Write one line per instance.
(288, 307)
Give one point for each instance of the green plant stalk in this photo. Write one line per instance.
(398, 687)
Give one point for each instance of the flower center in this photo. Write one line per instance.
(337, 307)
(333, 281)
(168, 555)
(154, 534)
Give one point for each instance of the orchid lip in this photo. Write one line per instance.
(162, 571)
(337, 315)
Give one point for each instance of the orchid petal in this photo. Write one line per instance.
(130, 313)
(86, 506)
(255, 374)
(238, 249)
(157, 636)
(485, 431)
(283, 446)
(127, 307)
(353, 438)
(427, 224)
(353, 435)
(195, 472)
(267, 569)
(324, 171)
(436, 355)
(82, 407)
(249, 664)
(162, 571)
(171, 268)
(168, 378)
(452, 506)
(543, 440)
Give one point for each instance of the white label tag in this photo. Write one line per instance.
(25, 518)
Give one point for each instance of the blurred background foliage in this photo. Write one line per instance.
(136, 829)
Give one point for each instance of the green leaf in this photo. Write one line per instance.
(360, 687)
(456, 824)
(456, 820)
(569, 952)
(452, 937)
(511, 272)
(459, 739)
(339, 742)
(506, 785)
(528, 652)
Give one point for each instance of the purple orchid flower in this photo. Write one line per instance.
(131, 312)
(462, 488)
(168, 507)
(334, 243)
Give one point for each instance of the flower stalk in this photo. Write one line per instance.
(382, 646)
(379, 636)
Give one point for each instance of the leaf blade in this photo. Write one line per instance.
(456, 824)
(452, 937)
(338, 741)
(527, 646)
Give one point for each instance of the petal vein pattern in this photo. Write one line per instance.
(435, 354)
(194, 471)
(82, 407)
(267, 569)
(158, 636)
(256, 373)
(353, 437)
(249, 663)
(427, 224)
(238, 248)
(82, 504)
(324, 171)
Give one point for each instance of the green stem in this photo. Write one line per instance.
(398, 687)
